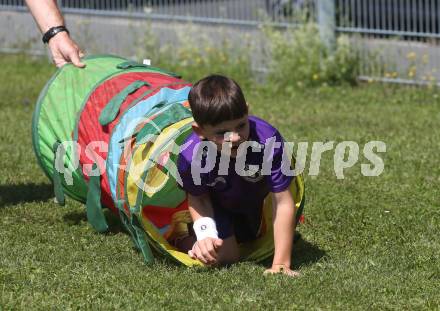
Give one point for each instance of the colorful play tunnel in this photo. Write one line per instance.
(109, 136)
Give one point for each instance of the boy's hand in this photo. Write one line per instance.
(283, 270)
(206, 250)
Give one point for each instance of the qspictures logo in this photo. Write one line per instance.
(205, 157)
(288, 157)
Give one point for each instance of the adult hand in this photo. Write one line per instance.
(64, 50)
(206, 250)
(282, 269)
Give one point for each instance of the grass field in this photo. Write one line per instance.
(368, 242)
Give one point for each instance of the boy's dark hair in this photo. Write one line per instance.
(215, 99)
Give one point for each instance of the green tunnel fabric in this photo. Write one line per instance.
(173, 114)
(155, 110)
(111, 110)
(57, 110)
(55, 116)
(142, 241)
(57, 185)
(126, 224)
(95, 214)
(132, 64)
(170, 194)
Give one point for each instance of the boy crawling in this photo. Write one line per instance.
(231, 163)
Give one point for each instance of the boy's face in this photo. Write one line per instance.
(232, 133)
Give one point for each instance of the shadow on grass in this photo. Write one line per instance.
(304, 254)
(24, 193)
(76, 218)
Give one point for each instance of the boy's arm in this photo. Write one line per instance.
(200, 206)
(284, 212)
(206, 249)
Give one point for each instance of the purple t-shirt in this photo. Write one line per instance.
(231, 191)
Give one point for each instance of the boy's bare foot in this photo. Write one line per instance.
(282, 269)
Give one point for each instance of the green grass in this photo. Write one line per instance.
(368, 242)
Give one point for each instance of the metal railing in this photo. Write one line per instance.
(236, 12)
(401, 38)
(405, 18)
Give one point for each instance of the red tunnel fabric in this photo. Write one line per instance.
(90, 131)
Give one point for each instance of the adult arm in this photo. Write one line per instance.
(63, 49)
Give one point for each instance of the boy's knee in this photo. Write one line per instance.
(228, 259)
(229, 252)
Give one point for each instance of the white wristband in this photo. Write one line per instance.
(205, 228)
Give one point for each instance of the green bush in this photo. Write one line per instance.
(194, 62)
(298, 58)
(195, 57)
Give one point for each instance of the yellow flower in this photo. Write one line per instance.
(411, 56)
(425, 59)
(394, 74)
(315, 76)
(387, 75)
(412, 71)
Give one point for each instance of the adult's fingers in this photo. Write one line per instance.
(64, 50)
(74, 58)
(59, 61)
